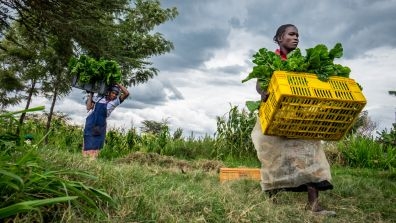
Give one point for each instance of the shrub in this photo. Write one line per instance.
(361, 151)
(388, 139)
(233, 134)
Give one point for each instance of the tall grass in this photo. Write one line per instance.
(34, 190)
(142, 177)
(361, 151)
(154, 188)
(233, 138)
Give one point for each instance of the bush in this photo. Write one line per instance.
(361, 151)
(388, 139)
(233, 138)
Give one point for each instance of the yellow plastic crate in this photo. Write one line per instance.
(302, 106)
(239, 174)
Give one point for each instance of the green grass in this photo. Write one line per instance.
(160, 178)
(155, 188)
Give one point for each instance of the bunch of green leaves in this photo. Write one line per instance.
(90, 70)
(318, 60)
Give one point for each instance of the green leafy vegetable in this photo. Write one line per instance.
(90, 70)
(318, 60)
(253, 105)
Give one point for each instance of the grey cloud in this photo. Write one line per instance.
(228, 75)
(193, 35)
(155, 92)
(231, 70)
(203, 27)
(221, 81)
(77, 95)
(191, 49)
(350, 22)
(174, 93)
(151, 93)
(235, 22)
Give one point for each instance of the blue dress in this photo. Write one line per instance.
(95, 128)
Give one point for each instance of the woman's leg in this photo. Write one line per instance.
(93, 154)
(313, 199)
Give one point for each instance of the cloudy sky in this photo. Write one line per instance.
(214, 43)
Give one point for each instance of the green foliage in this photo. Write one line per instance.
(120, 144)
(388, 138)
(90, 70)
(233, 134)
(27, 206)
(231, 144)
(117, 144)
(9, 124)
(361, 151)
(178, 134)
(119, 30)
(29, 184)
(253, 105)
(318, 60)
(54, 184)
(155, 188)
(137, 41)
(154, 127)
(191, 148)
(21, 67)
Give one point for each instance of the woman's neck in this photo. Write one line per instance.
(285, 50)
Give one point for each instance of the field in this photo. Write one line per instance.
(167, 178)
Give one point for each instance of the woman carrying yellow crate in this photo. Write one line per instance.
(291, 164)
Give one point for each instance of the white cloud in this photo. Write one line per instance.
(240, 44)
(375, 71)
(214, 43)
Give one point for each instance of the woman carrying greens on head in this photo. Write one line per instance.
(99, 109)
(291, 164)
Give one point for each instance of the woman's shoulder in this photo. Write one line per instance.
(99, 99)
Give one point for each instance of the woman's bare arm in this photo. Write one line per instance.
(124, 92)
(90, 103)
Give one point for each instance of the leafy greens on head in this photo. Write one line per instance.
(90, 70)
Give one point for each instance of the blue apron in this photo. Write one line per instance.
(95, 127)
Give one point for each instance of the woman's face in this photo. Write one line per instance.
(289, 40)
(113, 95)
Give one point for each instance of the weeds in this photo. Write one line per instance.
(360, 151)
(163, 177)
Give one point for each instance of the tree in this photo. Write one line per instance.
(43, 18)
(363, 125)
(57, 83)
(393, 93)
(20, 68)
(135, 42)
(61, 29)
(154, 127)
(110, 29)
(40, 68)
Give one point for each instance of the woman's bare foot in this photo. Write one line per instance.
(317, 209)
